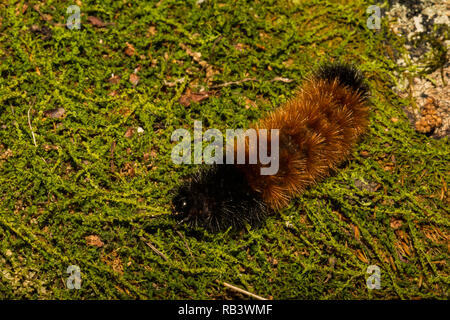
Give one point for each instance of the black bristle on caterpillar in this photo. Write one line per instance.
(346, 75)
(317, 129)
(218, 197)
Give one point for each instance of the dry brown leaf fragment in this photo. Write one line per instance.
(395, 224)
(128, 169)
(130, 132)
(117, 265)
(48, 147)
(6, 154)
(289, 62)
(94, 240)
(55, 113)
(364, 153)
(113, 260)
(21, 9)
(271, 260)
(240, 47)
(134, 79)
(47, 17)
(196, 56)
(96, 22)
(259, 46)
(115, 79)
(44, 16)
(190, 96)
(356, 232)
(151, 31)
(210, 72)
(129, 50)
(250, 104)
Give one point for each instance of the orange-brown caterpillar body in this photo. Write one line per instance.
(317, 129)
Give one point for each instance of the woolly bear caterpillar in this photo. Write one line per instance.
(317, 130)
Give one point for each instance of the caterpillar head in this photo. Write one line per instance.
(192, 199)
(218, 197)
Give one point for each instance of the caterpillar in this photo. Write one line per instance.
(317, 129)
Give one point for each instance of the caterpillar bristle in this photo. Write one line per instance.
(317, 130)
(345, 74)
(217, 197)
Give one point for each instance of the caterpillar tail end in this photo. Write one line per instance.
(347, 75)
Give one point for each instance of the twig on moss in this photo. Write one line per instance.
(162, 255)
(287, 80)
(111, 150)
(185, 242)
(29, 122)
(230, 83)
(243, 291)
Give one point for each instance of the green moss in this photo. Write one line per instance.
(85, 177)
